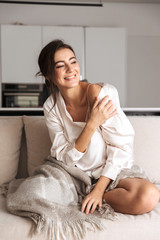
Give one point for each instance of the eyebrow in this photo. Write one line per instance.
(61, 61)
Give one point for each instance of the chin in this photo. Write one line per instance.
(72, 84)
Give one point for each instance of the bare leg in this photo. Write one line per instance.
(133, 196)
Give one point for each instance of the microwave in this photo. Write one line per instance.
(24, 95)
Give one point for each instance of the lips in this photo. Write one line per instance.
(70, 77)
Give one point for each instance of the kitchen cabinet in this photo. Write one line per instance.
(105, 57)
(73, 36)
(101, 53)
(20, 47)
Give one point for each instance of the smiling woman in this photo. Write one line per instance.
(66, 69)
(50, 66)
(89, 130)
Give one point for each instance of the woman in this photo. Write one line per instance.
(89, 130)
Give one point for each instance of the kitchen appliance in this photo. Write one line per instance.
(24, 95)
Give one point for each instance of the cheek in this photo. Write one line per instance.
(58, 74)
(78, 68)
(58, 77)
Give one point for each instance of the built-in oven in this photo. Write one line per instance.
(24, 95)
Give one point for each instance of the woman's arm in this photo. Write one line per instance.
(99, 114)
(62, 148)
(94, 198)
(118, 134)
(101, 111)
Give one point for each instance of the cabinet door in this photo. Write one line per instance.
(73, 36)
(20, 47)
(106, 57)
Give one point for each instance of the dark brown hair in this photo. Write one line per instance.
(46, 64)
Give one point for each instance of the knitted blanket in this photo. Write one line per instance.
(52, 197)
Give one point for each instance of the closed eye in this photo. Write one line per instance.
(74, 62)
(60, 66)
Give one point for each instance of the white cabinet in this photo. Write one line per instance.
(20, 47)
(101, 53)
(105, 57)
(73, 36)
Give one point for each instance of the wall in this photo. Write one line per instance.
(142, 22)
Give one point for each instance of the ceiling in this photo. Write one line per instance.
(89, 2)
(132, 1)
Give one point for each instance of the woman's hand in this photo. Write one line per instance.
(94, 198)
(101, 111)
(91, 201)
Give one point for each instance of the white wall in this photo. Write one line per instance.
(142, 22)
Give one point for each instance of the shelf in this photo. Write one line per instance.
(39, 111)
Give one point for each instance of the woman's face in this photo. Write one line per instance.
(66, 69)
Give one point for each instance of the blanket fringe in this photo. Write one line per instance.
(4, 189)
(107, 211)
(60, 231)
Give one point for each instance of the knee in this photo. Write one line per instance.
(146, 199)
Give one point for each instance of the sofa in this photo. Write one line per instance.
(24, 143)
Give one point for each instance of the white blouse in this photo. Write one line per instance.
(110, 148)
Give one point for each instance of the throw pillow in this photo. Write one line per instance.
(146, 146)
(10, 143)
(38, 141)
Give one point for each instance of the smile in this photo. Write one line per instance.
(68, 78)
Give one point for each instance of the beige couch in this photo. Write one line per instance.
(24, 143)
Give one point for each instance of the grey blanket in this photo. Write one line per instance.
(52, 199)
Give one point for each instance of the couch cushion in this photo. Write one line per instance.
(38, 141)
(10, 143)
(147, 144)
(127, 227)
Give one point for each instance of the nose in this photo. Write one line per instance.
(69, 68)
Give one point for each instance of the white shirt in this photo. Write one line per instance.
(110, 148)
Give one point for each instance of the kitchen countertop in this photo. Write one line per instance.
(21, 111)
(39, 111)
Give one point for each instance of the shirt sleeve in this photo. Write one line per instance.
(118, 135)
(62, 149)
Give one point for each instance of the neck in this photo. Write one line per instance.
(73, 96)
